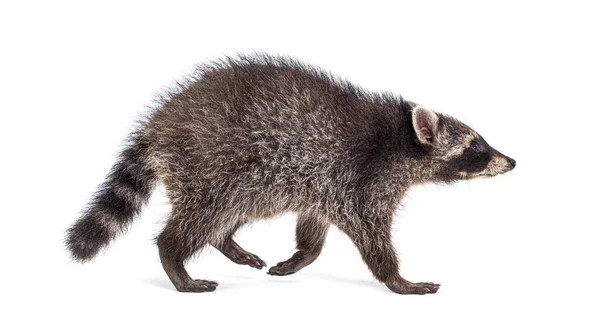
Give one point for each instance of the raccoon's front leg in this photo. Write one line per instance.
(310, 238)
(238, 255)
(374, 243)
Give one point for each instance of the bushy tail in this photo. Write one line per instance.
(117, 201)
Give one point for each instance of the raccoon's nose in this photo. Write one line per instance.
(512, 162)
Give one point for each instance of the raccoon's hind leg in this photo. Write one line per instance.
(237, 254)
(310, 238)
(180, 239)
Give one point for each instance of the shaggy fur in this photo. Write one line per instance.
(250, 137)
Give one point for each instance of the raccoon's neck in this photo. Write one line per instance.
(411, 171)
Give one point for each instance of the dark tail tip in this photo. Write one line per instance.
(115, 204)
(85, 239)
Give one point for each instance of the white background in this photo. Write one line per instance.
(519, 249)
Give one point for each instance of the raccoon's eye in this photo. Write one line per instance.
(475, 146)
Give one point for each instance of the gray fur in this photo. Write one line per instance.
(250, 137)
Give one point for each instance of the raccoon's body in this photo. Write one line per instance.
(254, 136)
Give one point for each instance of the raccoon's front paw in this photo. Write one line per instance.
(282, 269)
(299, 260)
(198, 286)
(414, 288)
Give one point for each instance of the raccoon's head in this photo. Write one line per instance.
(459, 152)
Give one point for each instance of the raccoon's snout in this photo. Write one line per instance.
(499, 164)
(502, 164)
(512, 162)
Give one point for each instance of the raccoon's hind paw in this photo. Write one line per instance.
(246, 258)
(238, 255)
(198, 286)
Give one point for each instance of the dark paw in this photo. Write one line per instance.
(283, 268)
(415, 288)
(246, 258)
(198, 286)
(432, 287)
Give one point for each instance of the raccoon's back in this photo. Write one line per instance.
(271, 116)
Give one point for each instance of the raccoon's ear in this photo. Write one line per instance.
(425, 123)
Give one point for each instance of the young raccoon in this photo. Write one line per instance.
(254, 136)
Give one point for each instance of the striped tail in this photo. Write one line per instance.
(117, 201)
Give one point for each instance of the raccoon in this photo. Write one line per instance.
(252, 136)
